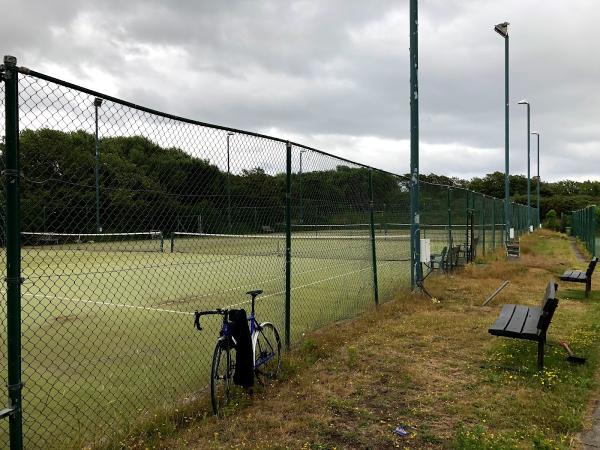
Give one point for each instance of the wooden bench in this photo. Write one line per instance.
(439, 260)
(528, 322)
(513, 248)
(469, 252)
(452, 259)
(577, 276)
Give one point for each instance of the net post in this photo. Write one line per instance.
(13, 251)
(172, 241)
(162, 242)
(373, 246)
(288, 241)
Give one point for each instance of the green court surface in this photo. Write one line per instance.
(108, 334)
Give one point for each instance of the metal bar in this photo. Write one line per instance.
(506, 146)
(496, 292)
(373, 246)
(494, 223)
(13, 252)
(415, 235)
(528, 167)
(288, 242)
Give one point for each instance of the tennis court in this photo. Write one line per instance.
(109, 319)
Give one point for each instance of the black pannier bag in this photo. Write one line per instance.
(244, 359)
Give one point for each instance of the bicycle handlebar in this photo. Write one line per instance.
(199, 314)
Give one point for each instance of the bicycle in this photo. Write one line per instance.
(266, 352)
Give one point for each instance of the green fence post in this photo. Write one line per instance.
(373, 249)
(593, 230)
(449, 218)
(494, 223)
(288, 242)
(467, 222)
(13, 252)
(482, 218)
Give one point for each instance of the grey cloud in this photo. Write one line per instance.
(340, 68)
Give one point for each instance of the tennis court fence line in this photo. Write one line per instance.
(118, 221)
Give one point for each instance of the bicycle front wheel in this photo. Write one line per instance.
(267, 352)
(221, 376)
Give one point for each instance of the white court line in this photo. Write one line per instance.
(120, 305)
(172, 311)
(310, 284)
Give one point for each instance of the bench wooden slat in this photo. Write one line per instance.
(502, 321)
(530, 329)
(518, 319)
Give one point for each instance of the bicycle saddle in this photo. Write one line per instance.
(255, 292)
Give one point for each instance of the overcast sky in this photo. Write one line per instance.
(334, 74)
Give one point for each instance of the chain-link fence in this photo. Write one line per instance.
(585, 227)
(131, 219)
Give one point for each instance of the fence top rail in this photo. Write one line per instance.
(67, 84)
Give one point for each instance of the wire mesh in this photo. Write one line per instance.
(3, 356)
(133, 219)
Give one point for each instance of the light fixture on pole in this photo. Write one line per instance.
(525, 102)
(97, 104)
(229, 134)
(502, 30)
(539, 180)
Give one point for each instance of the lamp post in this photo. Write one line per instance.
(539, 180)
(525, 102)
(415, 235)
(300, 188)
(229, 134)
(97, 104)
(502, 30)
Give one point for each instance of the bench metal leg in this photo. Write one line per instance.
(588, 287)
(540, 356)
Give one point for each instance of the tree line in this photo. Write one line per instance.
(143, 186)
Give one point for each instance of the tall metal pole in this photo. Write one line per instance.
(502, 30)
(415, 235)
(539, 180)
(229, 134)
(528, 215)
(97, 104)
(13, 253)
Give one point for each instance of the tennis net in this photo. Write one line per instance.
(389, 248)
(148, 241)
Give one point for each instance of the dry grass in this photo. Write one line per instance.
(429, 366)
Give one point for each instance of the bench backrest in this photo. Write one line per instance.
(591, 267)
(549, 304)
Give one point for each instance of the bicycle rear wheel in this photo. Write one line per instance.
(221, 376)
(267, 352)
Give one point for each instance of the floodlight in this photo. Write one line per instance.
(523, 102)
(535, 132)
(97, 102)
(502, 29)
